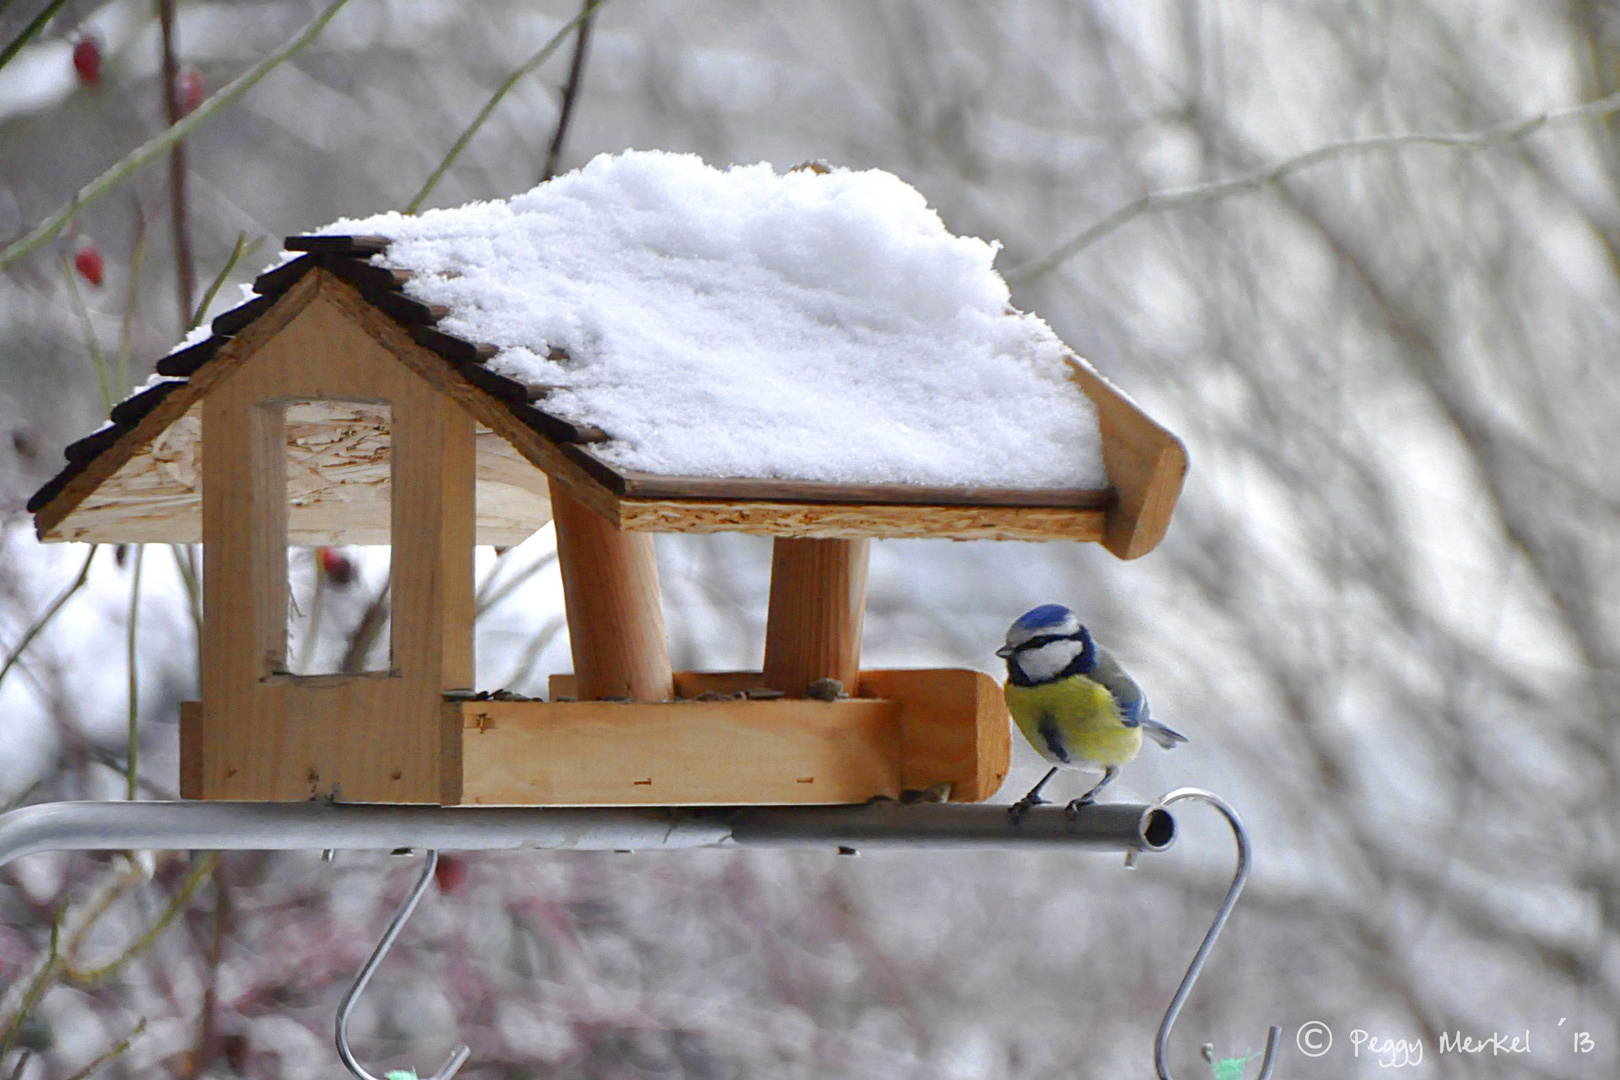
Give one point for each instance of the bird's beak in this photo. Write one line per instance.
(1005, 652)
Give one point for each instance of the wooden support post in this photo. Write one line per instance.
(615, 619)
(817, 608)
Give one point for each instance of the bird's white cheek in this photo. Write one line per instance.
(1049, 660)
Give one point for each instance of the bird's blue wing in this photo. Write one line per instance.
(1128, 697)
(1131, 702)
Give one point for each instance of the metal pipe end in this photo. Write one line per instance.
(1158, 829)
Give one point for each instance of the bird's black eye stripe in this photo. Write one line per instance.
(1044, 639)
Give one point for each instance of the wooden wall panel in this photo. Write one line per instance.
(376, 737)
(695, 753)
(952, 729)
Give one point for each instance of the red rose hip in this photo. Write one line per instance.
(89, 263)
(87, 60)
(338, 567)
(451, 873)
(188, 89)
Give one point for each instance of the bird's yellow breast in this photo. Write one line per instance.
(1080, 716)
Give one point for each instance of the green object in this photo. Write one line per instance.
(410, 1074)
(1225, 1069)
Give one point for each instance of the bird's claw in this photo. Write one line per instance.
(1020, 809)
(1077, 805)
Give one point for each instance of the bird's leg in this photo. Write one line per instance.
(1033, 799)
(1109, 772)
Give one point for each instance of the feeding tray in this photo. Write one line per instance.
(339, 406)
(903, 731)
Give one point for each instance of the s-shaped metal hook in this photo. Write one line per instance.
(459, 1057)
(1161, 1045)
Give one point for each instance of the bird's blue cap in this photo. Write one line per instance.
(1047, 616)
(1048, 619)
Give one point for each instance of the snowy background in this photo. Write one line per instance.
(1386, 613)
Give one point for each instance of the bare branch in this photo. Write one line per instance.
(132, 640)
(495, 99)
(36, 988)
(240, 251)
(576, 74)
(1176, 198)
(371, 625)
(91, 342)
(141, 155)
(184, 270)
(115, 1050)
(29, 32)
(92, 976)
(49, 613)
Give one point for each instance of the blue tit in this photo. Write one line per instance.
(1073, 701)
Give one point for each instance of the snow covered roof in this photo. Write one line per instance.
(806, 325)
(682, 337)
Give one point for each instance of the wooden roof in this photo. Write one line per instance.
(135, 481)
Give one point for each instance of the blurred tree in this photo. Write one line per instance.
(1386, 615)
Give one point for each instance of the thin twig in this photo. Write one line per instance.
(489, 106)
(141, 155)
(531, 654)
(204, 867)
(208, 1021)
(30, 31)
(490, 578)
(20, 798)
(185, 563)
(240, 251)
(576, 73)
(131, 641)
(184, 268)
(49, 614)
(132, 298)
(78, 921)
(118, 1048)
(1175, 198)
(90, 339)
(42, 979)
(312, 628)
(371, 624)
(184, 566)
(484, 603)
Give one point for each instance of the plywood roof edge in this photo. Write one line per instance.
(1146, 464)
(81, 478)
(854, 521)
(641, 485)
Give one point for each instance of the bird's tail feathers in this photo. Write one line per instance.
(1165, 737)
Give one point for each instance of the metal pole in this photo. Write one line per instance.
(888, 825)
(252, 826)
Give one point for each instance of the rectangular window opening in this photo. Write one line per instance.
(339, 525)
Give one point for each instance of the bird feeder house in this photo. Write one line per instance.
(353, 400)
